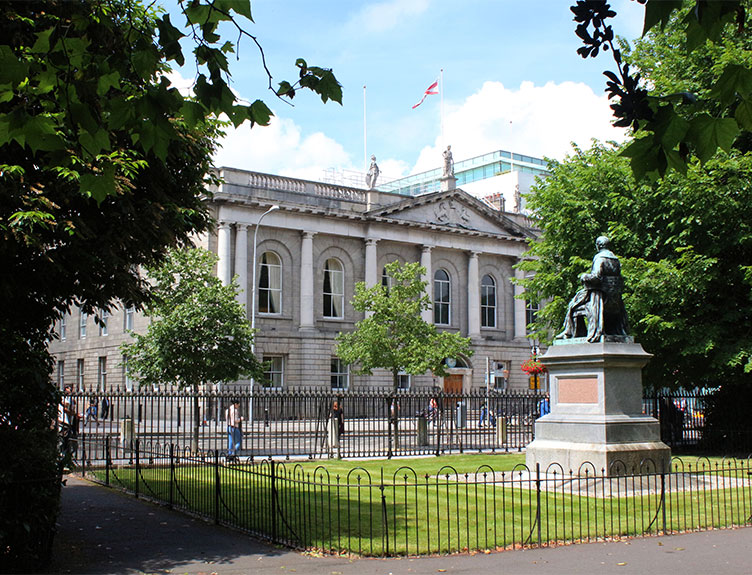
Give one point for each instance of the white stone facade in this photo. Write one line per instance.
(356, 233)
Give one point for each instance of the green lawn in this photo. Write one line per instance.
(426, 505)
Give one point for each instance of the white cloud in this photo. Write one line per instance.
(380, 17)
(532, 120)
(280, 148)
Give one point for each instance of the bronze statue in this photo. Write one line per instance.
(597, 309)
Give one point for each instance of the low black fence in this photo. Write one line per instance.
(406, 512)
(295, 423)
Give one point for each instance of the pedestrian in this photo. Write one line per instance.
(68, 420)
(544, 407)
(91, 412)
(234, 431)
(338, 414)
(104, 412)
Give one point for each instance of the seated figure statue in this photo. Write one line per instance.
(597, 309)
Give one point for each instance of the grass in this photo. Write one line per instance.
(421, 506)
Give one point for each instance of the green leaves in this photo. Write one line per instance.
(684, 242)
(393, 335)
(199, 333)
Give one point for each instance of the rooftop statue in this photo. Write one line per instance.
(597, 310)
(373, 174)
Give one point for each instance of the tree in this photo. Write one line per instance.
(393, 335)
(677, 120)
(104, 165)
(199, 333)
(685, 243)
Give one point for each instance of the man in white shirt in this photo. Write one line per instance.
(234, 432)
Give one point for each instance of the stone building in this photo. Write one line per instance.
(311, 250)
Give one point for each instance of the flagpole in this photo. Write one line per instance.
(441, 106)
(365, 133)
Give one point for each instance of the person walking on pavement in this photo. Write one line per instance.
(234, 432)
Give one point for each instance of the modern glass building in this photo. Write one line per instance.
(468, 171)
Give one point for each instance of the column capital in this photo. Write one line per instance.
(307, 235)
(426, 248)
(371, 241)
(240, 226)
(472, 254)
(223, 225)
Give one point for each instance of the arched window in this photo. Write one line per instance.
(270, 284)
(487, 302)
(334, 289)
(441, 298)
(386, 280)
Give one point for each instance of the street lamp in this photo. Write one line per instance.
(253, 297)
(253, 289)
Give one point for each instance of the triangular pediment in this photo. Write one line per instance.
(452, 209)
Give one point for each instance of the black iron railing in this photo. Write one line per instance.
(449, 510)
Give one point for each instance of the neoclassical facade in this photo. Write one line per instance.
(314, 244)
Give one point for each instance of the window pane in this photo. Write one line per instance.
(442, 298)
(334, 288)
(488, 302)
(270, 284)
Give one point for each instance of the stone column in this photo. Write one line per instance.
(224, 265)
(425, 261)
(473, 296)
(520, 325)
(306, 281)
(241, 262)
(372, 270)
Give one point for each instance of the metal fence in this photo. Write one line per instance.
(449, 510)
(296, 422)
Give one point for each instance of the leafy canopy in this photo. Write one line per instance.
(199, 333)
(393, 335)
(685, 244)
(677, 120)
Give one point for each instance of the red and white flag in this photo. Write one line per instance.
(431, 90)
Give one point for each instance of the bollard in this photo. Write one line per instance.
(501, 431)
(422, 430)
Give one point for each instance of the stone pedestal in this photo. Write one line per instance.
(596, 420)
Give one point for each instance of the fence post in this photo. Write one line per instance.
(384, 514)
(538, 501)
(172, 475)
(138, 447)
(107, 461)
(663, 498)
(273, 510)
(216, 487)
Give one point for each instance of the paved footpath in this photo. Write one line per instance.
(104, 531)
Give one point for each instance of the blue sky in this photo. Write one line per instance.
(512, 80)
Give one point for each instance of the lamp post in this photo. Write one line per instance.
(253, 296)
(534, 351)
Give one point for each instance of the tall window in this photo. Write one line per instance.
(274, 372)
(334, 288)
(531, 311)
(340, 374)
(404, 380)
(62, 328)
(487, 302)
(61, 374)
(79, 374)
(441, 298)
(127, 380)
(130, 314)
(102, 374)
(386, 280)
(104, 316)
(83, 318)
(270, 284)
